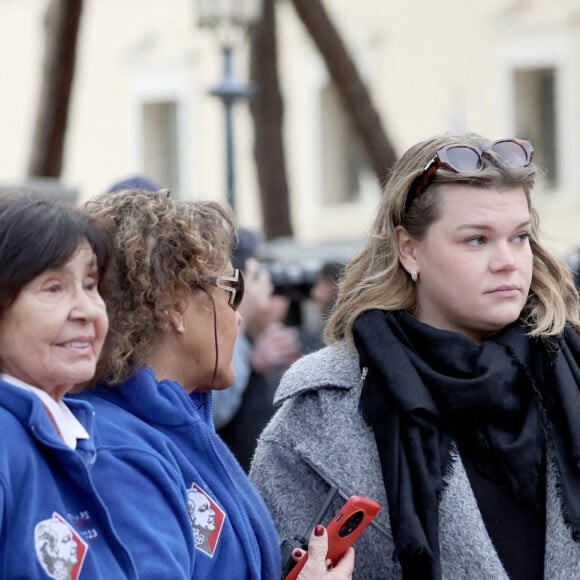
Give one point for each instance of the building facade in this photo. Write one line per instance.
(141, 102)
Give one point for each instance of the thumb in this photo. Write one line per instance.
(316, 565)
(318, 545)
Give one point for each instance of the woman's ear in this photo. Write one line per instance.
(406, 248)
(175, 316)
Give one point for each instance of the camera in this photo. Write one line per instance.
(292, 280)
(351, 524)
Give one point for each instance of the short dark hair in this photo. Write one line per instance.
(332, 270)
(37, 235)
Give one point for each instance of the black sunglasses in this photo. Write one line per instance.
(469, 159)
(233, 284)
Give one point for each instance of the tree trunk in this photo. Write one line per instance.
(267, 112)
(61, 30)
(354, 94)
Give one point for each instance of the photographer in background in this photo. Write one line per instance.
(265, 347)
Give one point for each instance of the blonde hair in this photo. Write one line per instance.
(376, 279)
(162, 248)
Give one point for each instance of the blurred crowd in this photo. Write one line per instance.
(270, 339)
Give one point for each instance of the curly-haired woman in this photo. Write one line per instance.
(172, 300)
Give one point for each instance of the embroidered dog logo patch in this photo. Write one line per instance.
(59, 549)
(206, 517)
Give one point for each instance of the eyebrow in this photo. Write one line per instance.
(486, 227)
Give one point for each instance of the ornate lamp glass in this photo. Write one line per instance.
(229, 13)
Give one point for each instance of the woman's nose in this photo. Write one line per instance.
(87, 305)
(503, 258)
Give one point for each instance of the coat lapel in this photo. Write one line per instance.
(562, 555)
(466, 548)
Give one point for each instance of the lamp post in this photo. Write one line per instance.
(230, 20)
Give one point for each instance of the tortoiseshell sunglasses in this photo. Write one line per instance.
(469, 159)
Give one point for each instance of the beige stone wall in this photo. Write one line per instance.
(431, 67)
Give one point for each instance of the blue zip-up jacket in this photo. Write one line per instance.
(142, 485)
(53, 524)
(233, 530)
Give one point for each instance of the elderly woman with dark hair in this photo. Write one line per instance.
(53, 324)
(173, 299)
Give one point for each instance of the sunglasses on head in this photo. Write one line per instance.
(469, 159)
(233, 284)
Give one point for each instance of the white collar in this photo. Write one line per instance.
(66, 423)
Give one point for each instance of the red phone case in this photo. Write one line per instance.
(344, 529)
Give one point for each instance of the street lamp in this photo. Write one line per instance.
(230, 20)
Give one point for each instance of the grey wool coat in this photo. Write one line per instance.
(318, 439)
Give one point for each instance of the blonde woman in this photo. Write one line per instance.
(449, 391)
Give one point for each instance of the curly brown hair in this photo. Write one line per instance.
(162, 248)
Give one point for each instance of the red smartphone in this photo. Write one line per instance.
(344, 529)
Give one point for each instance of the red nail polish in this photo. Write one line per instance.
(319, 530)
(297, 553)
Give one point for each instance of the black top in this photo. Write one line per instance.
(516, 528)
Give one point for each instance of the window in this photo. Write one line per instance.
(537, 100)
(343, 158)
(160, 147)
(535, 116)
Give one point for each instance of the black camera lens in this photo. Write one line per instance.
(351, 524)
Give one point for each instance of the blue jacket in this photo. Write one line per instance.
(51, 516)
(233, 530)
(142, 485)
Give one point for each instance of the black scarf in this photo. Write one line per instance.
(426, 387)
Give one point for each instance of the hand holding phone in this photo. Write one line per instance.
(344, 529)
